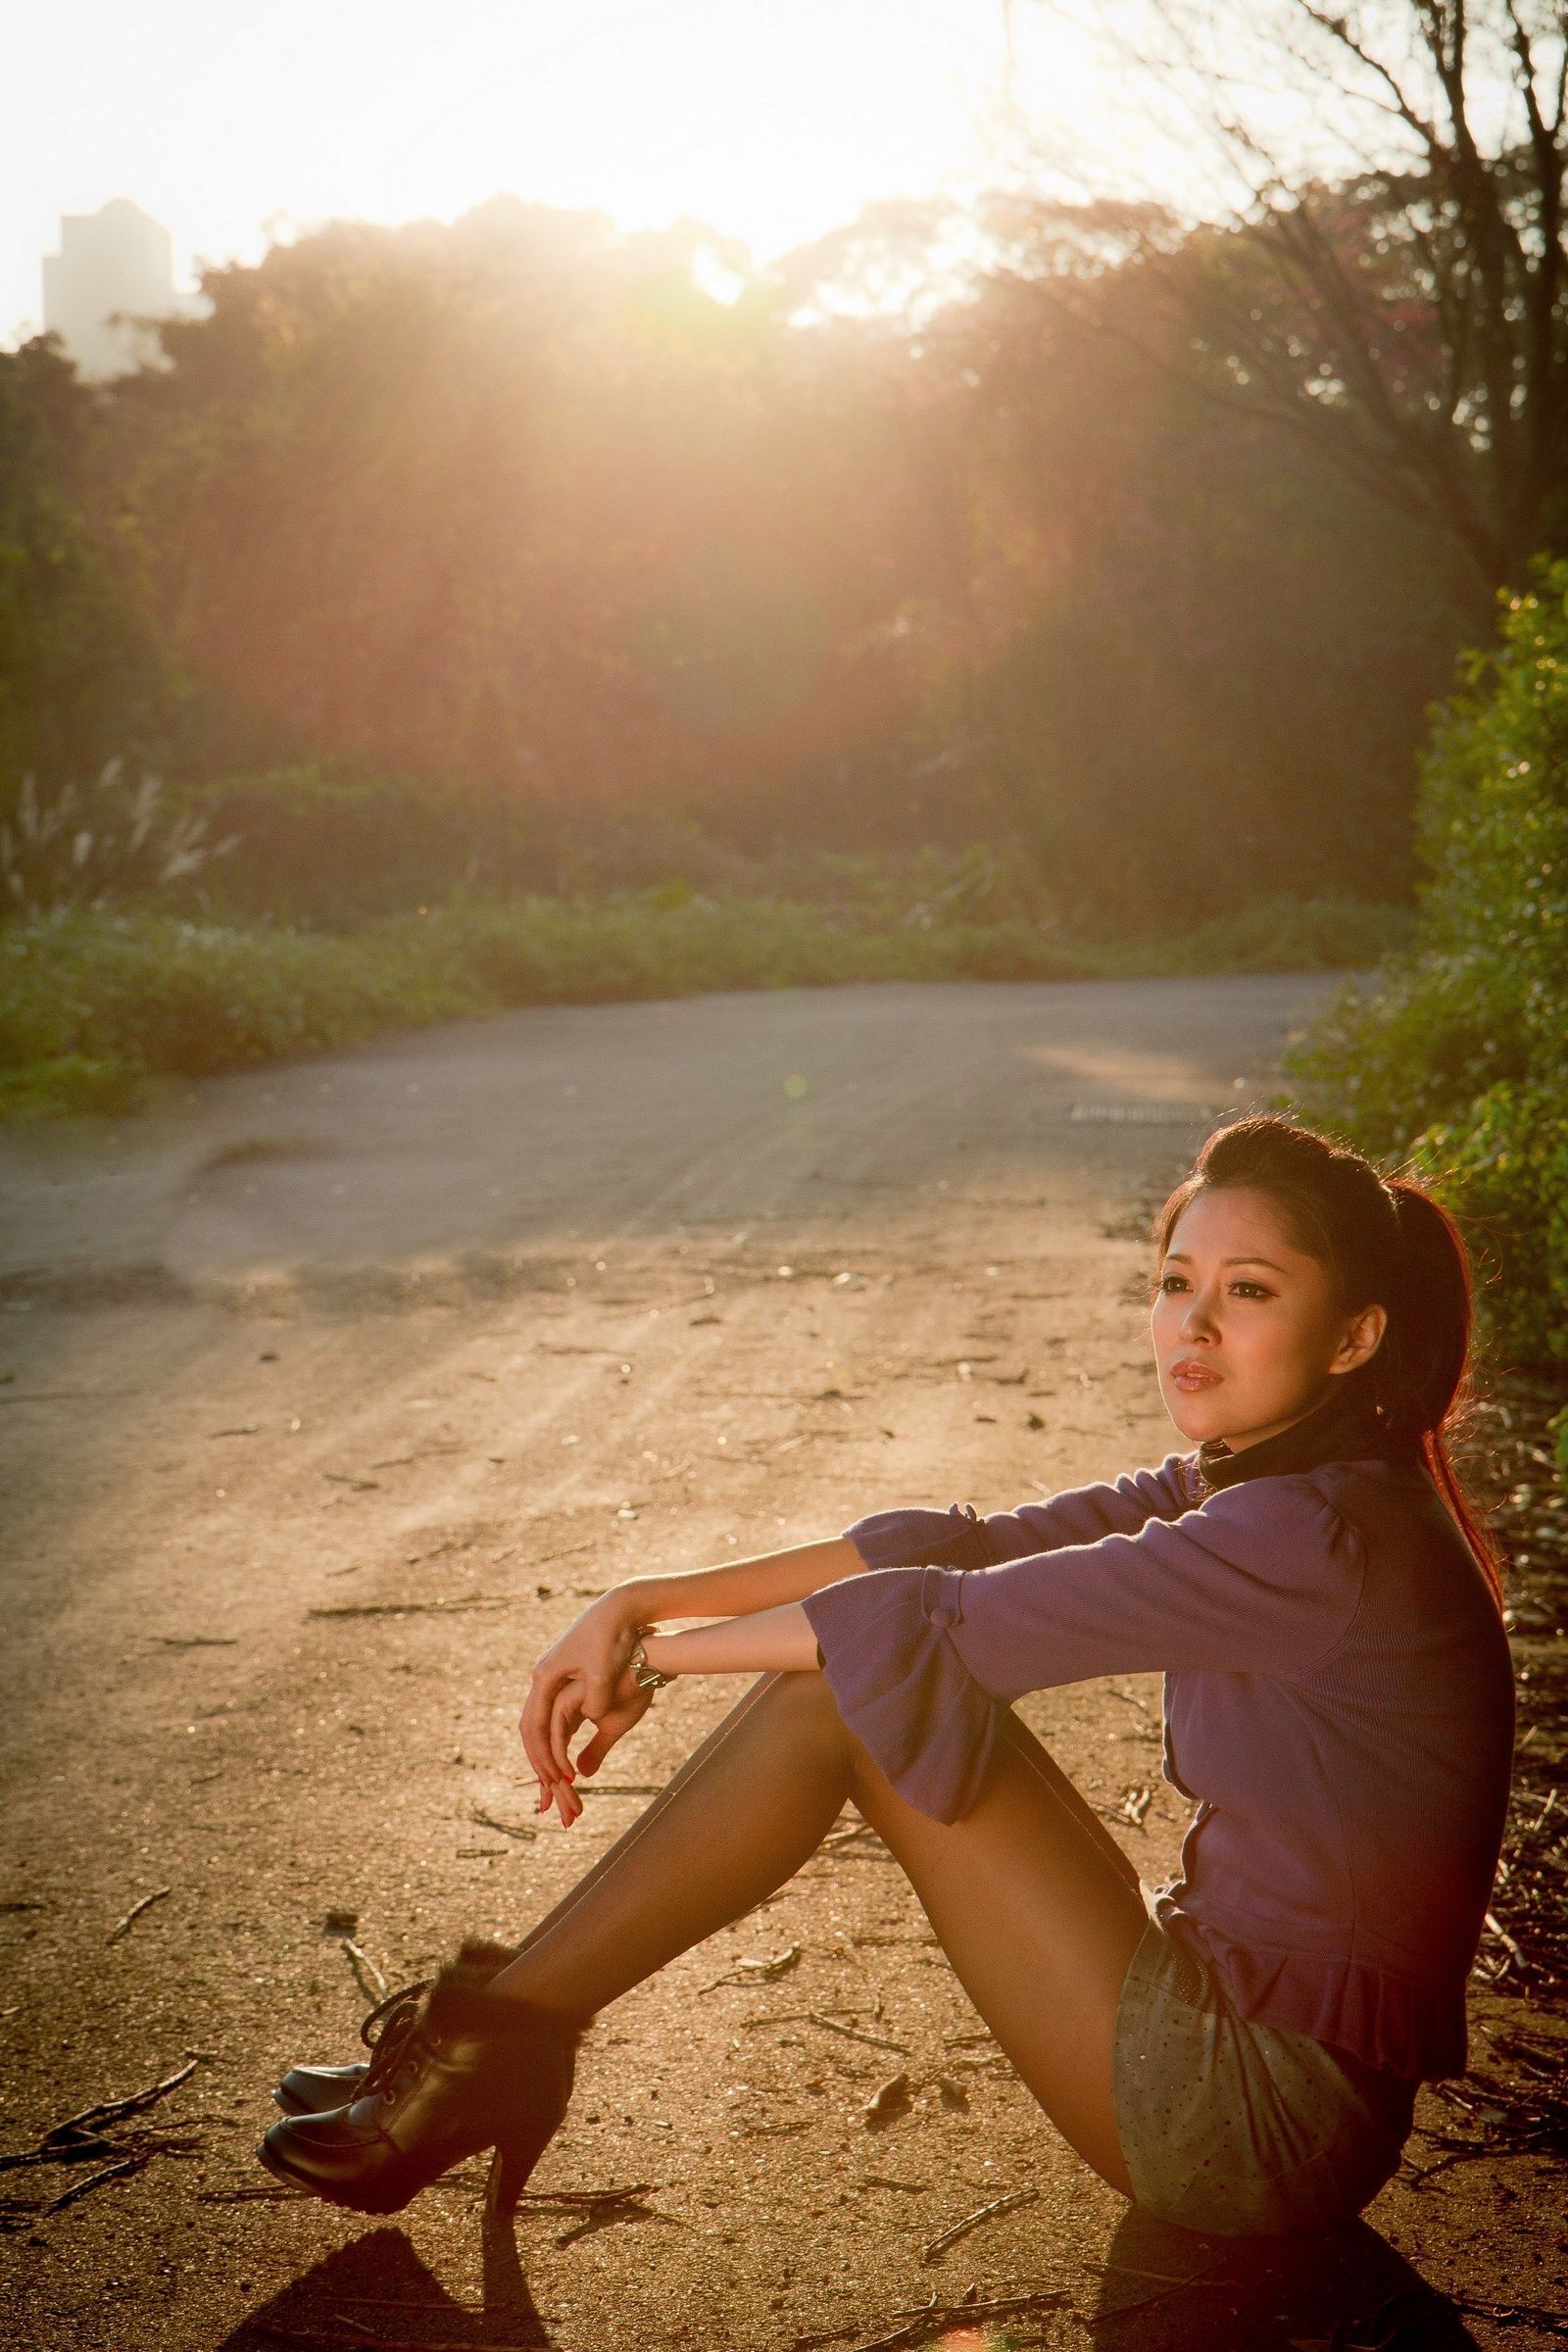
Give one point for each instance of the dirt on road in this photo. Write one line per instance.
(328, 1396)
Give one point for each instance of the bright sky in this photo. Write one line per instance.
(772, 119)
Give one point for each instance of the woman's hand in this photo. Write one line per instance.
(583, 1677)
(628, 1705)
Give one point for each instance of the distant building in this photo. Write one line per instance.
(114, 266)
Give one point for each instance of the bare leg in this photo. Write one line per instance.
(1032, 1899)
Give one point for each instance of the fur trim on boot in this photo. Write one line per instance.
(461, 1999)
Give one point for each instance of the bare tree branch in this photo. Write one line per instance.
(1413, 313)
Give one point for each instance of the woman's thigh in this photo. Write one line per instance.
(1040, 1913)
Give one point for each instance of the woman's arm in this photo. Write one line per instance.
(583, 1675)
(769, 1639)
(739, 1588)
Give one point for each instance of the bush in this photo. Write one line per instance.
(337, 849)
(161, 996)
(1504, 1171)
(1457, 1056)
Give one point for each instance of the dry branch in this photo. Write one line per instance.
(134, 1913)
(368, 1977)
(409, 1608)
(972, 2220)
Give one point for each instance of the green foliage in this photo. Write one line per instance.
(152, 994)
(1503, 1170)
(1457, 1056)
(332, 848)
(1417, 1044)
(1285, 935)
(93, 1003)
(80, 674)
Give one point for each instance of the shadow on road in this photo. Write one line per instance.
(1163, 2289)
(378, 2292)
(1170, 2290)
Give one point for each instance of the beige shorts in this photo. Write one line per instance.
(1239, 2129)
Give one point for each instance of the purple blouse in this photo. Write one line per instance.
(1339, 1704)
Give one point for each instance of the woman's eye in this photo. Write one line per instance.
(1254, 1288)
(1170, 1282)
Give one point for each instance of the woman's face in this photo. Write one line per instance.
(1246, 1332)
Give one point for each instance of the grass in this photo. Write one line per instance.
(92, 1006)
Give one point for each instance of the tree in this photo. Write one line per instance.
(80, 677)
(1393, 283)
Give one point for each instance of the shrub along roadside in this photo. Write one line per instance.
(93, 1005)
(1456, 1058)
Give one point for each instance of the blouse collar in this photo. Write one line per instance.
(1344, 1427)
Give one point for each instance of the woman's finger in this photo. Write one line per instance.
(616, 1722)
(538, 1718)
(534, 1724)
(564, 1717)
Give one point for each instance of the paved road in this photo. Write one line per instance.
(480, 1321)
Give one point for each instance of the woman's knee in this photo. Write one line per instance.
(803, 1700)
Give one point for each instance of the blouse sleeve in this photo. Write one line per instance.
(958, 1538)
(1263, 1578)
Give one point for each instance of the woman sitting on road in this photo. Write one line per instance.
(1239, 2051)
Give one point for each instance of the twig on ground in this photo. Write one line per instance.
(876, 2041)
(134, 1913)
(83, 2189)
(756, 1972)
(1514, 2315)
(570, 2200)
(1512, 2120)
(366, 1975)
(196, 1640)
(508, 1829)
(813, 2017)
(604, 2216)
(972, 2220)
(250, 2196)
(836, 1839)
(92, 2119)
(1169, 2284)
(1134, 1804)
(81, 2138)
(410, 1609)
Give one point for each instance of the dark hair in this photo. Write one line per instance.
(1387, 1241)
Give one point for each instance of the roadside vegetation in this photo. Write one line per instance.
(1455, 1056)
(95, 1004)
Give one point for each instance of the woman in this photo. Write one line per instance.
(1238, 2052)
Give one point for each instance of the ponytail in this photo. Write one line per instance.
(1429, 1361)
(1383, 1240)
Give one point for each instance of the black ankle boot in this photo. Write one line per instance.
(470, 2070)
(320, 2089)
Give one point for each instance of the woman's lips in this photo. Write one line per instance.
(1189, 1378)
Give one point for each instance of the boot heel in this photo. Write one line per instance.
(509, 2168)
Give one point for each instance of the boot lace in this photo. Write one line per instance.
(387, 2032)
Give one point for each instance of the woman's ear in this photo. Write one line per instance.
(1361, 1340)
